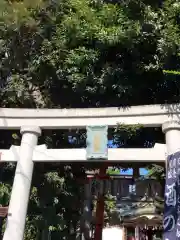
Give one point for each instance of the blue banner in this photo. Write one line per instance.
(171, 221)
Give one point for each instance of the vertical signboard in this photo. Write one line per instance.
(171, 221)
(178, 196)
(96, 142)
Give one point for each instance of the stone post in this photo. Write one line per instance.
(21, 187)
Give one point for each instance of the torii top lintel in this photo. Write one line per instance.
(147, 115)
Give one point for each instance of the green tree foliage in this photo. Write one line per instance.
(113, 171)
(76, 48)
(82, 53)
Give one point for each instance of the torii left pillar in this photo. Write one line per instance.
(21, 187)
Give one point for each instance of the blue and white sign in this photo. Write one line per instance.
(171, 221)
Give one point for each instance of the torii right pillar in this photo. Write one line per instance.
(171, 221)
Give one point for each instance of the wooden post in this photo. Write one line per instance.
(1, 226)
(100, 206)
(87, 212)
(96, 149)
(3, 214)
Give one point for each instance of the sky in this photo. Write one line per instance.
(143, 171)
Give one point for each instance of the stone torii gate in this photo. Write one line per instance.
(31, 121)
